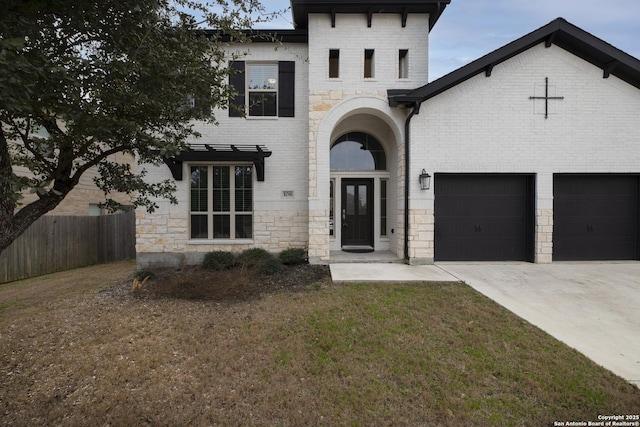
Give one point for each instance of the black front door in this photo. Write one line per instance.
(357, 212)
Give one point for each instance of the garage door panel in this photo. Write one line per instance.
(595, 217)
(484, 217)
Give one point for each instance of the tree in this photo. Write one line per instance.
(105, 77)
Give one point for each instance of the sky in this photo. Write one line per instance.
(469, 29)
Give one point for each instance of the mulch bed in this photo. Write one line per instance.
(197, 283)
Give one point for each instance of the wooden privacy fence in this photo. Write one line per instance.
(57, 243)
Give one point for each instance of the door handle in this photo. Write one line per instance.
(344, 214)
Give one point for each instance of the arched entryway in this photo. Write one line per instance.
(360, 193)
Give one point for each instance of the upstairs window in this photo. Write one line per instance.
(403, 64)
(368, 64)
(334, 63)
(262, 85)
(262, 89)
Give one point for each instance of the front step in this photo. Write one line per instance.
(376, 257)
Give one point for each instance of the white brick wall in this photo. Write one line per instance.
(352, 36)
(279, 223)
(489, 124)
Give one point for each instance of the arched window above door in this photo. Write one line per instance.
(357, 151)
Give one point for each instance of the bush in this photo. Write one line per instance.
(271, 266)
(254, 256)
(293, 256)
(218, 260)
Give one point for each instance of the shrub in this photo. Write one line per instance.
(293, 256)
(271, 266)
(218, 260)
(254, 256)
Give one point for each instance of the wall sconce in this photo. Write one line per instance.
(425, 180)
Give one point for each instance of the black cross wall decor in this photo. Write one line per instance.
(546, 97)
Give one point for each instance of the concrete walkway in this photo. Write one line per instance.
(592, 307)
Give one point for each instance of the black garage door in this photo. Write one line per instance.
(595, 217)
(484, 217)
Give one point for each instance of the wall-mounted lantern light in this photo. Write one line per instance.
(425, 180)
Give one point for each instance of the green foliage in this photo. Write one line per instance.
(254, 256)
(270, 266)
(83, 83)
(218, 260)
(293, 256)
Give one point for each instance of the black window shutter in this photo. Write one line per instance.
(286, 88)
(236, 80)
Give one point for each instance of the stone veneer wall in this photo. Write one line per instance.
(162, 237)
(320, 103)
(544, 236)
(421, 236)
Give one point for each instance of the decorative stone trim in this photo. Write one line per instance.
(544, 236)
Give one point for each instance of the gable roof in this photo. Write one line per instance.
(559, 32)
(302, 8)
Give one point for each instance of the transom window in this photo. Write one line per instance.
(221, 202)
(262, 82)
(357, 151)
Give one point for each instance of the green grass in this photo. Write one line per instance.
(442, 351)
(357, 355)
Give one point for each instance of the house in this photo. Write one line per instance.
(86, 198)
(530, 153)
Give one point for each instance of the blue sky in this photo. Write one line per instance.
(469, 29)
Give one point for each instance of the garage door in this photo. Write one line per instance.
(595, 217)
(482, 217)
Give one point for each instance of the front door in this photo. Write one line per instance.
(357, 212)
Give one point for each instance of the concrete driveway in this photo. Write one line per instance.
(592, 307)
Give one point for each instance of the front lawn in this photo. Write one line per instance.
(281, 353)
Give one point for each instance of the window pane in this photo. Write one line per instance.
(263, 77)
(199, 228)
(403, 63)
(351, 199)
(221, 190)
(244, 227)
(334, 63)
(357, 151)
(262, 104)
(199, 189)
(368, 63)
(383, 207)
(362, 196)
(221, 226)
(331, 207)
(243, 189)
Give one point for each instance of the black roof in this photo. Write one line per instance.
(266, 36)
(559, 32)
(301, 8)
